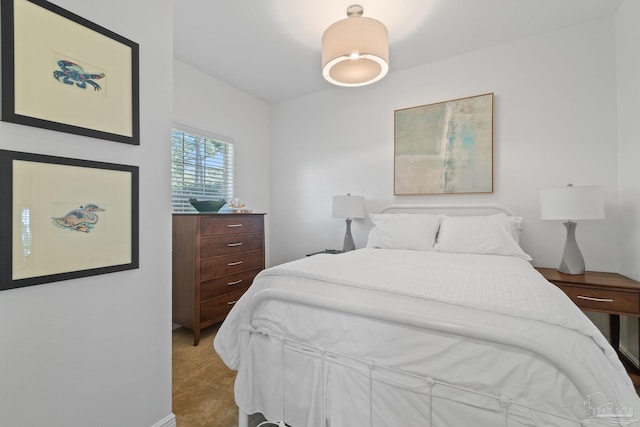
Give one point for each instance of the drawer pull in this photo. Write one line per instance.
(234, 225)
(234, 283)
(232, 302)
(595, 299)
(231, 245)
(231, 264)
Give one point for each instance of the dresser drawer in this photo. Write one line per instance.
(230, 264)
(607, 300)
(216, 309)
(230, 224)
(230, 244)
(222, 285)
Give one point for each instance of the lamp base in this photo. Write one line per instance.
(349, 245)
(572, 260)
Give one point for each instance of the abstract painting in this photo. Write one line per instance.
(444, 148)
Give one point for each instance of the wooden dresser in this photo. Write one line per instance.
(215, 258)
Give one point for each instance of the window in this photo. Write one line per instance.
(201, 168)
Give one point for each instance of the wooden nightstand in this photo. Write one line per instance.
(609, 293)
(327, 251)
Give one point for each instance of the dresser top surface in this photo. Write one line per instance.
(215, 214)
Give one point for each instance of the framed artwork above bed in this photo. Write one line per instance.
(444, 148)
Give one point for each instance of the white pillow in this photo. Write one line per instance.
(404, 231)
(490, 234)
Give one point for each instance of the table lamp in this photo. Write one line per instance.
(572, 203)
(348, 207)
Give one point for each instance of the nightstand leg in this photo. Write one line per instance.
(196, 335)
(614, 331)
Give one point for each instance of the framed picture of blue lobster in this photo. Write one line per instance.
(65, 73)
(64, 218)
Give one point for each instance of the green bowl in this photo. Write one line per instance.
(207, 205)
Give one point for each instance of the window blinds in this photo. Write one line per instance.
(201, 168)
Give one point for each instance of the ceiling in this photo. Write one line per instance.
(271, 48)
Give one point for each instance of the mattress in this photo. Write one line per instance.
(396, 337)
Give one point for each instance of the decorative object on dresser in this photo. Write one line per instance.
(207, 206)
(602, 292)
(348, 207)
(572, 203)
(215, 258)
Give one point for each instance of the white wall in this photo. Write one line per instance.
(97, 351)
(206, 103)
(628, 72)
(555, 123)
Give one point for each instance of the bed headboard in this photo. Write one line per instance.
(458, 209)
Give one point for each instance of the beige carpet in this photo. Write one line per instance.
(202, 384)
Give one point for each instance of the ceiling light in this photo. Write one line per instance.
(355, 51)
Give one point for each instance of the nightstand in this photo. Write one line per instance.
(609, 293)
(327, 251)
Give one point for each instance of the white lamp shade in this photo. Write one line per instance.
(355, 51)
(348, 206)
(572, 203)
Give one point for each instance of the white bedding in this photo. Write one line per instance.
(356, 371)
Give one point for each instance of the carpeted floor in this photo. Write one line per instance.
(202, 384)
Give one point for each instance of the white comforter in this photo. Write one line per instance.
(349, 369)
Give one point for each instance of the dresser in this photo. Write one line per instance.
(215, 258)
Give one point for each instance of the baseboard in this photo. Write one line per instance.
(168, 421)
(633, 359)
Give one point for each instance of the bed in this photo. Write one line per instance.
(440, 321)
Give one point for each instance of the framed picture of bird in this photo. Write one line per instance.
(64, 218)
(66, 73)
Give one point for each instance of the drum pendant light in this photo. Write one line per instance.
(355, 50)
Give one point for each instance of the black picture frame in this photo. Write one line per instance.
(65, 73)
(63, 218)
